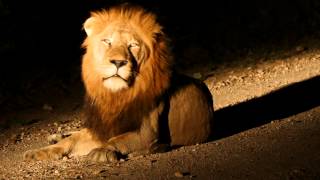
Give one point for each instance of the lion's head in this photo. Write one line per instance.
(126, 52)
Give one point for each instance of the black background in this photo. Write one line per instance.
(40, 40)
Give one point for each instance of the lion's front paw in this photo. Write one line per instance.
(103, 155)
(52, 153)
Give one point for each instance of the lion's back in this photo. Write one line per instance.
(191, 111)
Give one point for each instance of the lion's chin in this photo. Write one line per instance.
(115, 84)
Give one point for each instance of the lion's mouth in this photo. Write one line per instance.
(114, 76)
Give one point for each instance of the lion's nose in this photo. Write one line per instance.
(119, 63)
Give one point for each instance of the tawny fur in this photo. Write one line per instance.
(157, 107)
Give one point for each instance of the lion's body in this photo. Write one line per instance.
(134, 102)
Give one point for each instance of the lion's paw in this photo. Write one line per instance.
(103, 155)
(53, 153)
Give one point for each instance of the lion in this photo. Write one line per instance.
(135, 102)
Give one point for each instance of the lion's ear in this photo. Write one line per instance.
(89, 24)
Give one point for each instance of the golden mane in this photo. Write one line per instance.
(109, 111)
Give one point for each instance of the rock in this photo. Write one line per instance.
(21, 135)
(79, 177)
(47, 107)
(197, 75)
(178, 174)
(99, 171)
(300, 48)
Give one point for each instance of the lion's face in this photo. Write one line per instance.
(118, 52)
(126, 54)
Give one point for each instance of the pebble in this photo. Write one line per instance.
(178, 174)
(197, 75)
(47, 107)
(99, 171)
(300, 48)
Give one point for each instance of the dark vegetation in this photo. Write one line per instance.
(40, 40)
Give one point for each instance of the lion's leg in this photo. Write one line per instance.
(52, 152)
(77, 144)
(122, 144)
(142, 141)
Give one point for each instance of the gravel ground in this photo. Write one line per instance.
(280, 144)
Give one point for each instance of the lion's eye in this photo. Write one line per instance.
(106, 41)
(133, 45)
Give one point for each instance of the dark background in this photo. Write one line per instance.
(40, 40)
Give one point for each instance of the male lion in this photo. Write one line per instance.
(134, 103)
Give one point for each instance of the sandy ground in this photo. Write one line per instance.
(267, 116)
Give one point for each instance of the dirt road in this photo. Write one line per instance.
(267, 126)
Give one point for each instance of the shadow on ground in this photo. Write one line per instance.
(282, 103)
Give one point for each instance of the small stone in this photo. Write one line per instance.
(122, 160)
(56, 172)
(21, 135)
(79, 177)
(197, 75)
(300, 48)
(55, 124)
(99, 172)
(178, 174)
(59, 129)
(260, 73)
(47, 107)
